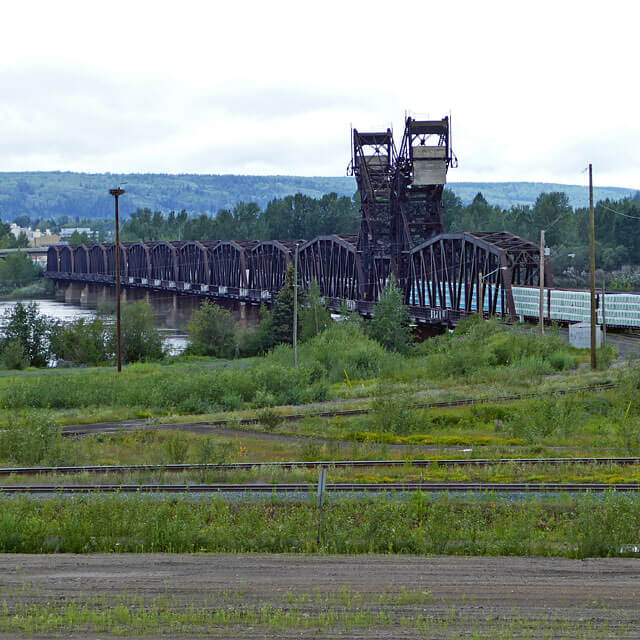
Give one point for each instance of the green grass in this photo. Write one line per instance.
(582, 527)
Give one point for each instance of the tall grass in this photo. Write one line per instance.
(590, 526)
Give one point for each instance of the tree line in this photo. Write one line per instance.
(617, 228)
(297, 216)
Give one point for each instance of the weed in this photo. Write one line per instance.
(176, 447)
(269, 419)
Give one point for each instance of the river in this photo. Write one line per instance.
(174, 337)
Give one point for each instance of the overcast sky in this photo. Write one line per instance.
(536, 90)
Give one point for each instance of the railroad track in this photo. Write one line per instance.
(102, 427)
(299, 464)
(346, 487)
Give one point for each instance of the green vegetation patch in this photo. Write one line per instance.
(586, 526)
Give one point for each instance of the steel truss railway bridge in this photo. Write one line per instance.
(444, 276)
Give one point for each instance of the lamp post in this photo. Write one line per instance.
(116, 193)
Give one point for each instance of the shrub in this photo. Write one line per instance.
(209, 451)
(141, 340)
(13, 356)
(18, 270)
(211, 332)
(31, 438)
(82, 341)
(314, 316)
(32, 330)
(176, 447)
(269, 419)
(391, 415)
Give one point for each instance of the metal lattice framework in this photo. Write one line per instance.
(334, 263)
(269, 261)
(470, 272)
(193, 263)
(97, 259)
(111, 260)
(163, 261)
(138, 260)
(53, 259)
(228, 264)
(66, 259)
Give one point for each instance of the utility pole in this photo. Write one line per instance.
(592, 265)
(604, 318)
(541, 280)
(116, 193)
(295, 307)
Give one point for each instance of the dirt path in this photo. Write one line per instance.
(497, 597)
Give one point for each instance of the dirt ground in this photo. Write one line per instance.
(488, 597)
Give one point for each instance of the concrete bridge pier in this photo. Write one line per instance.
(73, 293)
(85, 294)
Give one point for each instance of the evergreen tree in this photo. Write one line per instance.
(390, 323)
(282, 312)
(314, 316)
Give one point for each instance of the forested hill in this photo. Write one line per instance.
(81, 195)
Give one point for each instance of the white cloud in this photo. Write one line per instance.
(536, 90)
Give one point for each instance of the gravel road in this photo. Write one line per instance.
(493, 597)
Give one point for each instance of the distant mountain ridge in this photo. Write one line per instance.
(41, 194)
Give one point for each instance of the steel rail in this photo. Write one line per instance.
(302, 464)
(343, 487)
(74, 430)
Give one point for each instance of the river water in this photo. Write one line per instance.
(174, 337)
(172, 312)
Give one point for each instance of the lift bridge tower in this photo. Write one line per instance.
(400, 195)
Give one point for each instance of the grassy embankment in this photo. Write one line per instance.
(576, 528)
(480, 359)
(341, 368)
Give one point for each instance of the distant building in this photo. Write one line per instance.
(68, 232)
(36, 237)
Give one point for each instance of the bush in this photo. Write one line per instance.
(391, 415)
(209, 451)
(82, 342)
(477, 347)
(26, 326)
(176, 447)
(32, 438)
(314, 316)
(342, 347)
(13, 356)
(211, 332)
(141, 340)
(269, 419)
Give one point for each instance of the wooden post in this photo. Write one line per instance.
(604, 319)
(541, 281)
(592, 268)
(295, 308)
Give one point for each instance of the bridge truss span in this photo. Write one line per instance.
(334, 263)
(471, 272)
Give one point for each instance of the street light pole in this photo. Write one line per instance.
(116, 193)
